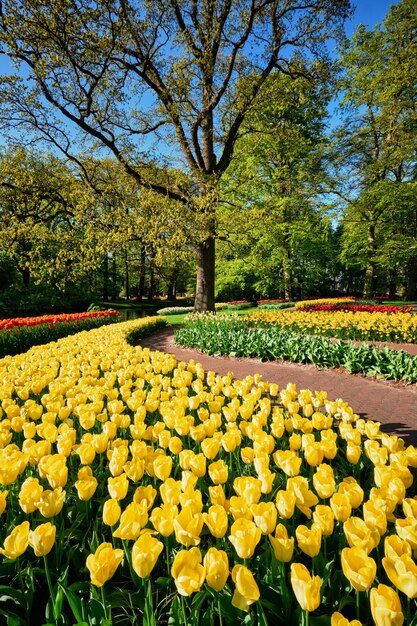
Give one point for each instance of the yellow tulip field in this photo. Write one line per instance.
(136, 489)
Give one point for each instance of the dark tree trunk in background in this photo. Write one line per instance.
(151, 287)
(368, 289)
(106, 278)
(127, 282)
(204, 296)
(141, 288)
(411, 290)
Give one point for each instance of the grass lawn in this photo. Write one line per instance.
(179, 319)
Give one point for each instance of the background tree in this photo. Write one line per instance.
(123, 72)
(376, 149)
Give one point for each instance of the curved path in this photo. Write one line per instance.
(392, 404)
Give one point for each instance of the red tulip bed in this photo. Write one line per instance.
(139, 490)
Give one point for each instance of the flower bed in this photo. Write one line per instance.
(358, 308)
(234, 337)
(305, 303)
(51, 320)
(21, 337)
(141, 490)
(362, 326)
(175, 310)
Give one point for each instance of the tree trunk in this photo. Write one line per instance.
(141, 290)
(127, 282)
(204, 296)
(106, 278)
(368, 289)
(411, 274)
(151, 290)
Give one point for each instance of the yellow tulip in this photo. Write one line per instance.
(42, 538)
(324, 517)
(265, 516)
(304, 497)
(395, 547)
(218, 472)
(323, 481)
(358, 567)
(30, 494)
(314, 453)
(353, 453)
(288, 461)
(3, 500)
(132, 520)
(246, 590)
(216, 565)
(309, 539)
(341, 507)
(375, 517)
(350, 487)
(407, 529)
(162, 467)
(285, 503)
(359, 534)
(306, 588)
(282, 545)
(51, 502)
(402, 572)
(148, 494)
(187, 571)
(216, 520)
(111, 512)
(248, 488)
(217, 495)
(145, 553)
(170, 491)
(386, 606)
(103, 563)
(162, 519)
(188, 526)
(86, 487)
(244, 536)
(16, 543)
(337, 619)
(117, 486)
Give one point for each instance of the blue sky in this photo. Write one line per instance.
(368, 12)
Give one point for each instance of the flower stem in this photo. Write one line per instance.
(48, 576)
(357, 605)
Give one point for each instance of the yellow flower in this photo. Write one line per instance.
(350, 487)
(358, 567)
(30, 494)
(103, 563)
(111, 512)
(216, 565)
(217, 495)
(337, 619)
(375, 517)
(3, 500)
(402, 572)
(359, 534)
(395, 547)
(218, 472)
(324, 517)
(407, 529)
(246, 590)
(188, 526)
(386, 606)
(51, 502)
(248, 488)
(16, 543)
(132, 520)
(216, 520)
(187, 571)
(163, 517)
(304, 497)
(118, 486)
(162, 467)
(145, 553)
(282, 545)
(170, 491)
(323, 481)
(309, 539)
(285, 503)
(314, 453)
(42, 538)
(245, 536)
(86, 487)
(147, 493)
(341, 507)
(265, 516)
(288, 461)
(306, 588)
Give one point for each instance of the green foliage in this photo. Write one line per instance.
(143, 331)
(236, 338)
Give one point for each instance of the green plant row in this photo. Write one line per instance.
(21, 339)
(277, 306)
(143, 331)
(234, 338)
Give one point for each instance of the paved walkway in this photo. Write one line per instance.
(392, 404)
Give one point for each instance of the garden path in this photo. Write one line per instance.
(392, 404)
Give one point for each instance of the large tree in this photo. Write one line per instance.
(377, 146)
(125, 71)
